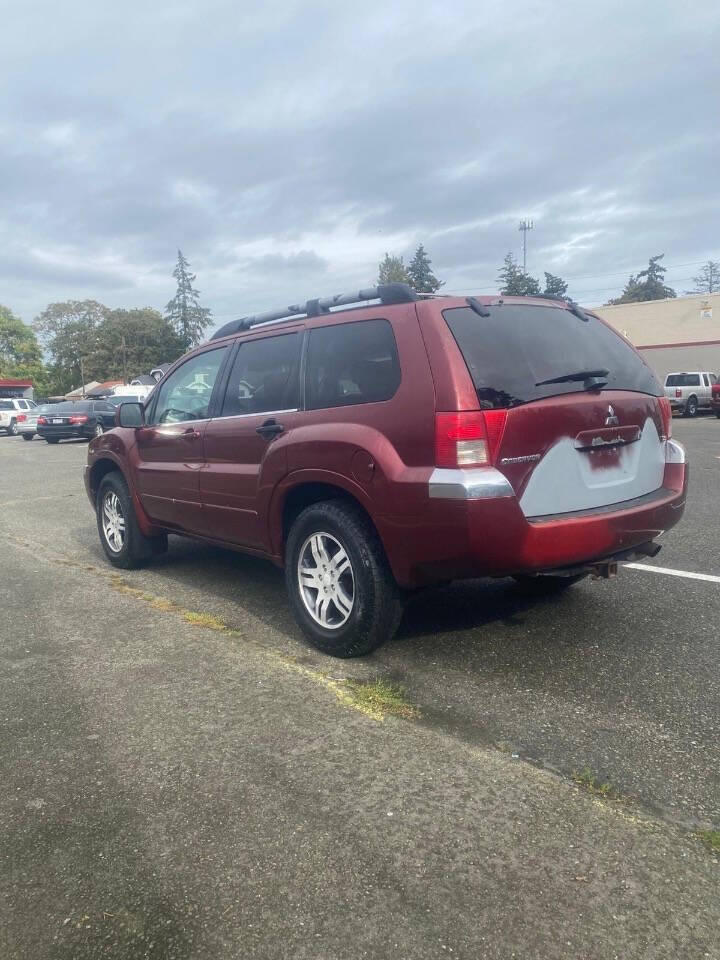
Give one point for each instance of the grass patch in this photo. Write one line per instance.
(588, 781)
(380, 699)
(204, 620)
(711, 839)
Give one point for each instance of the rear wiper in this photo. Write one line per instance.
(480, 309)
(591, 378)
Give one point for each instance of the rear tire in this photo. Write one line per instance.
(546, 585)
(338, 548)
(122, 540)
(52, 439)
(28, 436)
(717, 414)
(12, 429)
(691, 407)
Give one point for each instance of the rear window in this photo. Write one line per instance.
(70, 407)
(510, 352)
(6, 405)
(683, 380)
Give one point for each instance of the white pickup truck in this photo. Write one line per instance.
(690, 392)
(14, 412)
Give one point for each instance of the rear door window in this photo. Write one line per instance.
(510, 352)
(351, 363)
(264, 377)
(683, 380)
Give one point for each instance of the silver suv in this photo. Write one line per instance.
(690, 392)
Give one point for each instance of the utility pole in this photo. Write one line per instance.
(525, 225)
(125, 379)
(82, 377)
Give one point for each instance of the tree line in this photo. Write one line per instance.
(77, 338)
(83, 339)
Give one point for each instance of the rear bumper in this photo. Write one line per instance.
(464, 536)
(65, 433)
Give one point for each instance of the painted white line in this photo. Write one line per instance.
(672, 573)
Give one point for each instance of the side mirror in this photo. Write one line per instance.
(130, 415)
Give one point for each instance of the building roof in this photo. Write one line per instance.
(103, 388)
(10, 382)
(693, 319)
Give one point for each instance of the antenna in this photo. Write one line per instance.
(525, 225)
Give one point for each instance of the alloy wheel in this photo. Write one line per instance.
(113, 521)
(326, 581)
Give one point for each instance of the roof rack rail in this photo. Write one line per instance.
(386, 293)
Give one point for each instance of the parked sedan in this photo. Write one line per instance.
(27, 426)
(82, 418)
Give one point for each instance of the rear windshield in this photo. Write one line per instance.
(70, 407)
(518, 345)
(683, 380)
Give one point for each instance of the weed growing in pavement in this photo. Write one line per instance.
(204, 620)
(380, 698)
(711, 838)
(586, 779)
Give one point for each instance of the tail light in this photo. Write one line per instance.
(678, 392)
(666, 414)
(21, 417)
(468, 438)
(79, 418)
(42, 421)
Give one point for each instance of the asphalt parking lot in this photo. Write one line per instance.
(174, 789)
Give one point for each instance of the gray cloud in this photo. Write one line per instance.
(285, 149)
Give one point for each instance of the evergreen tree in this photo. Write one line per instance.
(422, 279)
(184, 312)
(513, 282)
(554, 286)
(392, 270)
(708, 280)
(649, 284)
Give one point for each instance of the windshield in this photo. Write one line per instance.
(683, 380)
(518, 346)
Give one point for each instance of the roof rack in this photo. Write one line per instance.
(386, 293)
(572, 306)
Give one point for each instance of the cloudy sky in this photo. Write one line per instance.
(285, 146)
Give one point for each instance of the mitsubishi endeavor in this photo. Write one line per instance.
(378, 442)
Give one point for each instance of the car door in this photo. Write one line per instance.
(104, 414)
(170, 446)
(706, 390)
(244, 453)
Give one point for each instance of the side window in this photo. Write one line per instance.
(31, 405)
(264, 376)
(351, 363)
(186, 394)
(705, 379)
(23, 404)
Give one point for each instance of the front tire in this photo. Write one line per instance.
(691, 407)
(99, 430)
(28, 436)
(52, 439)
(122, 540)
(341, 589)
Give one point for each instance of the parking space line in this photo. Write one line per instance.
(672, 573)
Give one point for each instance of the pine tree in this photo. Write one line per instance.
(708, 280)
(554, 286)
(649, 284)
(392, 270)
(422, 279)
(514, 283)
(184, 312)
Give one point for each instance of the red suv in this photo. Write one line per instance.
(375, 449)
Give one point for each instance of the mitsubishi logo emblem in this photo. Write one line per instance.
(611, 420)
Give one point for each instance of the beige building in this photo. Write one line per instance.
(675, 335)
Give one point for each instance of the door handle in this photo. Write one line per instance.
(190, 434)
(270, 429)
